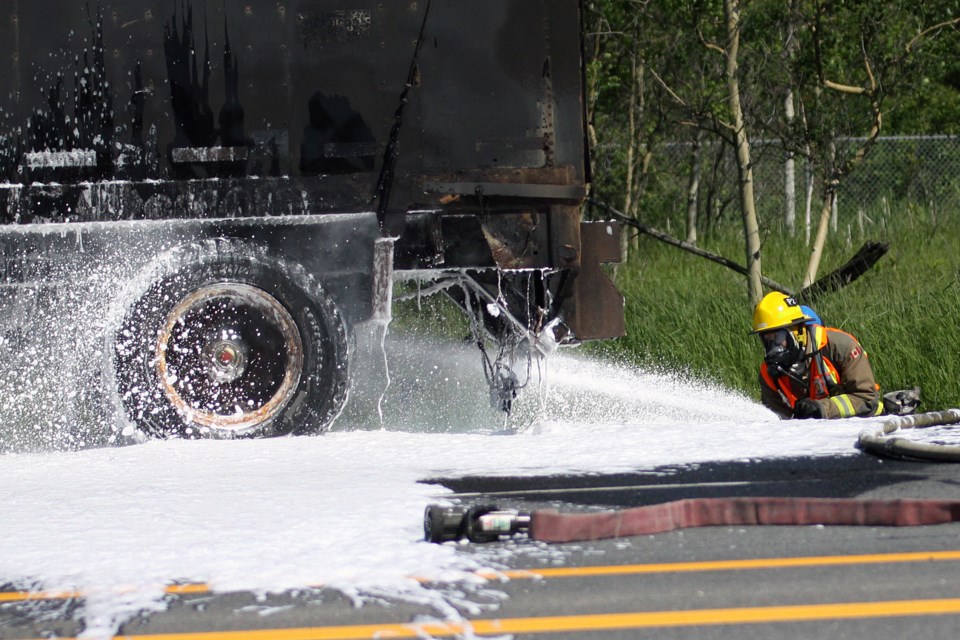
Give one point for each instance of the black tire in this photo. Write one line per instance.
(222, 340)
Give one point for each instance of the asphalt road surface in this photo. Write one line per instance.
(711, 582)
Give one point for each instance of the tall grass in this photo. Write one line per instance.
(684, 312)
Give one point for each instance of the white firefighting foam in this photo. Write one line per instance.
(345, 509)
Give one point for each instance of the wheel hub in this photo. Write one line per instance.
(226, 358)
(229, 356)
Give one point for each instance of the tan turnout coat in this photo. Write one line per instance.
(837, 376)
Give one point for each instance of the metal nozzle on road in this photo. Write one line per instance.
(479, 523)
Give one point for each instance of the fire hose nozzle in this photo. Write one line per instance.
(480, 523)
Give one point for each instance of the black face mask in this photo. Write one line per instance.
(782, 350)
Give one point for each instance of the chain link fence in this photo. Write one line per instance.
(897, 172)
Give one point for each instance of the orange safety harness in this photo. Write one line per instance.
(824, 377)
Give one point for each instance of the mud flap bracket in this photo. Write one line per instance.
(596, 308)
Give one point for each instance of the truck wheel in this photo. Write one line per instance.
(224, 340)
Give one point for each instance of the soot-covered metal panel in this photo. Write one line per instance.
(311, 90)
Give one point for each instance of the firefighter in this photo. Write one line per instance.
(809, 370)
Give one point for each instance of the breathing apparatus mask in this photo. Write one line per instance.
(784, 348)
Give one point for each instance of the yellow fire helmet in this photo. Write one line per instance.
(777, 310)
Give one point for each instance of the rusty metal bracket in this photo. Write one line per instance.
(597, 308)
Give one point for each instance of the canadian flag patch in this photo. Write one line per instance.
(856, 352)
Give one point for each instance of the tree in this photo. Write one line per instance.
(852, 58)
(789, 168)
(720, 72)
(626, 123)
(708, 96)
(748, 210)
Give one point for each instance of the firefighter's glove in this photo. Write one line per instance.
(807, 408)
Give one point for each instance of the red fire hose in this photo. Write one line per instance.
(484, 523)
(551, 526)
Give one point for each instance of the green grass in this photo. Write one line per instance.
(434, 316)
(686, 313)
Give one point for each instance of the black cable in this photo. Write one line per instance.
(391, 153)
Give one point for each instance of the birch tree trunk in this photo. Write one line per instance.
(830, 185)
(751, 229)
(789, 175)
(693, 187)
(631, 152)
(789, 165)
(640, 91)
(808, 201)
(834, 215)
(829, 193)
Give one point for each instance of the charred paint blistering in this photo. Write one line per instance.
(155, 91)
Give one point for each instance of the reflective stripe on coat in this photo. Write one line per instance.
(839, 378)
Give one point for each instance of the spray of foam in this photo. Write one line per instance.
(51, 350)
(54, 343)
(344, 509)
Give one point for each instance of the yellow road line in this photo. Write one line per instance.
(593, 622)
(726, 565)
(606, 570)
(196, 587)
(14, 596)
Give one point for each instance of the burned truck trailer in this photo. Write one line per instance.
(201, 202)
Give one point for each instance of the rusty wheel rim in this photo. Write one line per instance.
(229, 357)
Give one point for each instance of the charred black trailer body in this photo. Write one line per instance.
(215, 195)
